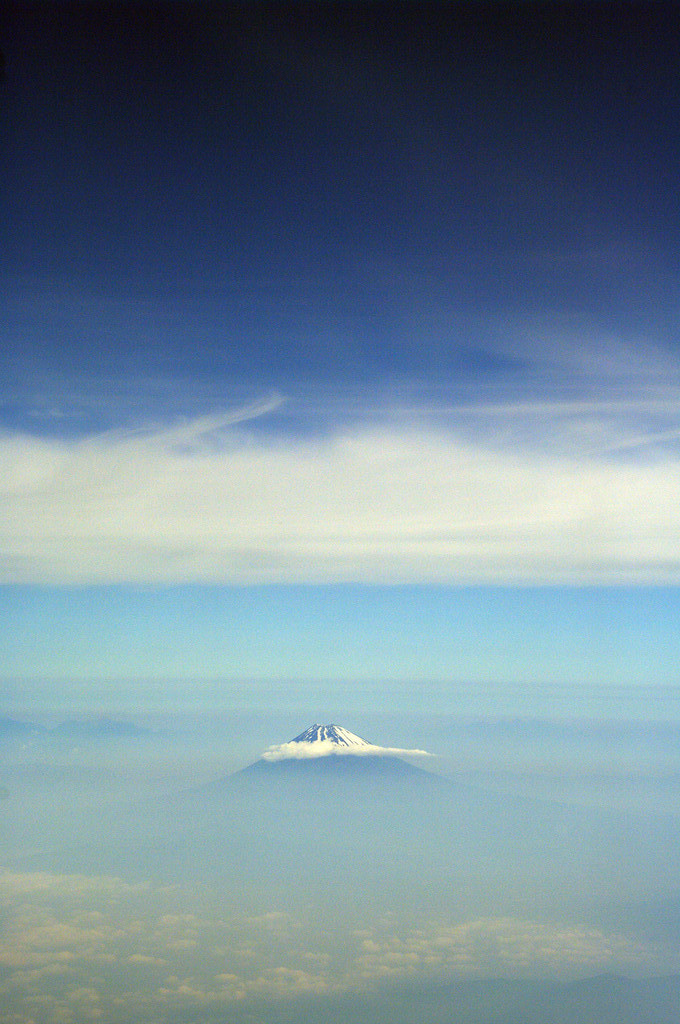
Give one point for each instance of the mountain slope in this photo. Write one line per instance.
(325, 826)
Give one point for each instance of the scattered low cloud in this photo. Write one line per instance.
(85, 948)
(65, 923)
(502, 945)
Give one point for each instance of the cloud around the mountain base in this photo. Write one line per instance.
(327, 748)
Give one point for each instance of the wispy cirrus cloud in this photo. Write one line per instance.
(579, 493)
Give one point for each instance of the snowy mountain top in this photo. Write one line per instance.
(334, 733)
(326, 740)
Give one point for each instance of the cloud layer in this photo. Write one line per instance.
(512, 494)
(75, 948)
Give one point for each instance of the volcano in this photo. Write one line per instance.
(344, 765)
(322, 808)
(328, 812)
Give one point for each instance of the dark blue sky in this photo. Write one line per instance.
(269, 195)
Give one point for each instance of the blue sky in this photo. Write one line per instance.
(340, 343)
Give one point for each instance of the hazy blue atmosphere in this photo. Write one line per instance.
(340, 377)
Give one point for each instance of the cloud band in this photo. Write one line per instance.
(208, 502)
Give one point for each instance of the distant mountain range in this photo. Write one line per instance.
(11, 728)
(607, 999)
(96, 728)
(99, 728)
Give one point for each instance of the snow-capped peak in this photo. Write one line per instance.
(326, 740)
(334, 734)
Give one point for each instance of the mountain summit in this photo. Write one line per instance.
(327, 740)
(334, 734)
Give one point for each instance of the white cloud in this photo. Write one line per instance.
(597, 501)
(327, 748)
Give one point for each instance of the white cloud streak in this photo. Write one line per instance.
(210, 501)
(328, 748)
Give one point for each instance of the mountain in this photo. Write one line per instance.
(329, 813)
(328, 807)
(12, 728)
(100, 728)
(328, 763)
